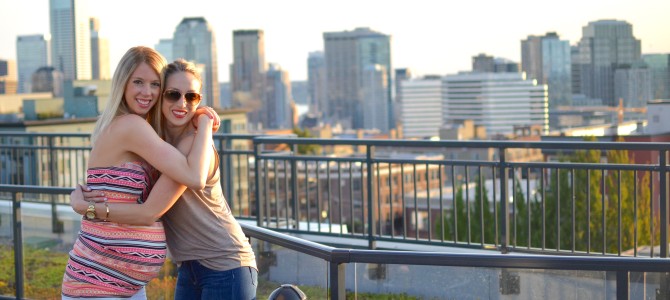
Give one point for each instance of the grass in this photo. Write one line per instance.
(44, 270)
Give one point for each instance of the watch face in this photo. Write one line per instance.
(90, 215)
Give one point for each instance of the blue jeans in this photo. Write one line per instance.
(195, 281)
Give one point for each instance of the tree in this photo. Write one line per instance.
(306, 148)
(477, 210)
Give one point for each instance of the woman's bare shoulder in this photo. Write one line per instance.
(130, 121)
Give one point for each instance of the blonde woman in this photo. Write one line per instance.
(215, 258)
(111, 260)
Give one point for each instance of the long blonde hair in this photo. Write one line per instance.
(116, 105)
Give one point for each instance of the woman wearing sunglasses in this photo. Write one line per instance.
(215, 259)
(110, 260)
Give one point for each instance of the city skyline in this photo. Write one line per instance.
(427, 37)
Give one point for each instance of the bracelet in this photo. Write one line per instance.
(107, 212)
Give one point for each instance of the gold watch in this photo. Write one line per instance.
(90, 211)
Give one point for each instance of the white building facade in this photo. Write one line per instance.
(497, 101)
(421, 113)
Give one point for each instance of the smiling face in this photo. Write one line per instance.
(178, 113)
(142, 90)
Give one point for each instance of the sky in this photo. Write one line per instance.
(428, 36)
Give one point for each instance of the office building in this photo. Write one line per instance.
(70, 38)
(47, 79)
(400, 76)
(164, 47)
(276, 109)
(316, 77)
(374, 89)
(659, 66)
(420, 113)
(605, 46)
(483, 63)
(99, 52)
(547, 60)
(497, 101)
(347, 54)
(8, 77)
(194, 40)
(248, 72)
(32, 53)
(632, 84)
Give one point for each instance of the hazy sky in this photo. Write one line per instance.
(428, 36)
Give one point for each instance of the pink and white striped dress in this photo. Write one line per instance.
(111, 260)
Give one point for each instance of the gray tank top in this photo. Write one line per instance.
(200, 226)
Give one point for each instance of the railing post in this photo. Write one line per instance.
(372, 244)
(337, 272)
(663, 202)
(664, 288)
(56, 225)
(504, 204)
(228, 171)
(18, 245)
(337, 284)
(294, 187)
(622, 285)
(259, 207)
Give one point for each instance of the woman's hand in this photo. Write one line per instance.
(211, 113)
(82, 195)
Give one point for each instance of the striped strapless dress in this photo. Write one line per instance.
(111, 260)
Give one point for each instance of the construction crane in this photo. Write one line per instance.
(618, 109)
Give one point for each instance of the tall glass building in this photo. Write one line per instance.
(100, 68)
(605, 46)
(194, 40)
(347, 54)
(547, 59)
(70, 38)
(32, 53)
(247, 73)
(659, 65)
(316, 77)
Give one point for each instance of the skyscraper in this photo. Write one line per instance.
(347, 55)
(606, 45)
(194, 41)
(659, 65)
(164, 47)
(247, 72)
(547, 60)
(70, 38)
(632, 84)
(374, 89)
(497, 101)
(316, 77)
(99, 52)
(8, 77)
(483, 63)
(47, 79)
(275, 111)
(400, 76)
(32, 53)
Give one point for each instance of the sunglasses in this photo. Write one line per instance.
(192, 98)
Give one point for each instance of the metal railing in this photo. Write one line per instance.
(338, 258)
(577, 198)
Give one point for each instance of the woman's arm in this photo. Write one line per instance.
(162, 197)
(138, 137)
